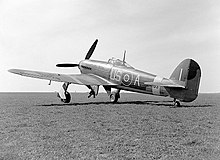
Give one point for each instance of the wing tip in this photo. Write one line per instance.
(12, 70)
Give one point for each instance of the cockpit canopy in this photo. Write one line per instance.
(118, 62)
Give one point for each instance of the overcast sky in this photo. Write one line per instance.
(157, 34)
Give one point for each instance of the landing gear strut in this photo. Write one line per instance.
(67, 99)
(114, 96)
(176, 103)
(94, 89)
(91, 93)
(63, 94)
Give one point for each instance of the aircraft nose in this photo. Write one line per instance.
(80, 65)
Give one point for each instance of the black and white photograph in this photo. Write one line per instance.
(110, 80)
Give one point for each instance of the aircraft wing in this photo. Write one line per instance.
(81, 79)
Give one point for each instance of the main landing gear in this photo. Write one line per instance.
(176, 103)
(67, 99)
(63, 94)
(114, 96)
(91, 93)
(94, 90)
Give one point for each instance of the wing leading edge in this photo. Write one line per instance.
(81, 79)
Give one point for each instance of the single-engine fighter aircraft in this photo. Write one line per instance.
(183, 84)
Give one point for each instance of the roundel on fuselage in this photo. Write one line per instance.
(127, 78)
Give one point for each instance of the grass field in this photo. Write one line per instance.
(39, 126)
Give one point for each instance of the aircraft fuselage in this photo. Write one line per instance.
(127, 78)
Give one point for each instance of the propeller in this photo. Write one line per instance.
(88, 55)
(91, 50)
(67, 65)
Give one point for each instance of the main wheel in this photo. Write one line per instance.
(114, 97)
(68, 98)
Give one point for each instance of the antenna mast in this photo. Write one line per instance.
(124, 57)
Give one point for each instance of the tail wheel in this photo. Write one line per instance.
(114, 97)
(68, 98)
(176, 104)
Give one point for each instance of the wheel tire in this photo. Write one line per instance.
(177, 104)
(114, 97)
(68, 98)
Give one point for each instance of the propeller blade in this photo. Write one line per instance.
(67, 65)
(91, 50)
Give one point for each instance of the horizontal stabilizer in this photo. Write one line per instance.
(170, 85)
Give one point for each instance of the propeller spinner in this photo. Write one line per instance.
(88, 55)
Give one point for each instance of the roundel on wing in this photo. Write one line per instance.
(127, 79)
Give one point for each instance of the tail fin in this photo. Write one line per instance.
(187, 74)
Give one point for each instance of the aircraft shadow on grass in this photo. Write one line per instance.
(153, 103)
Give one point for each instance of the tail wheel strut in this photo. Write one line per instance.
(176, 103)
